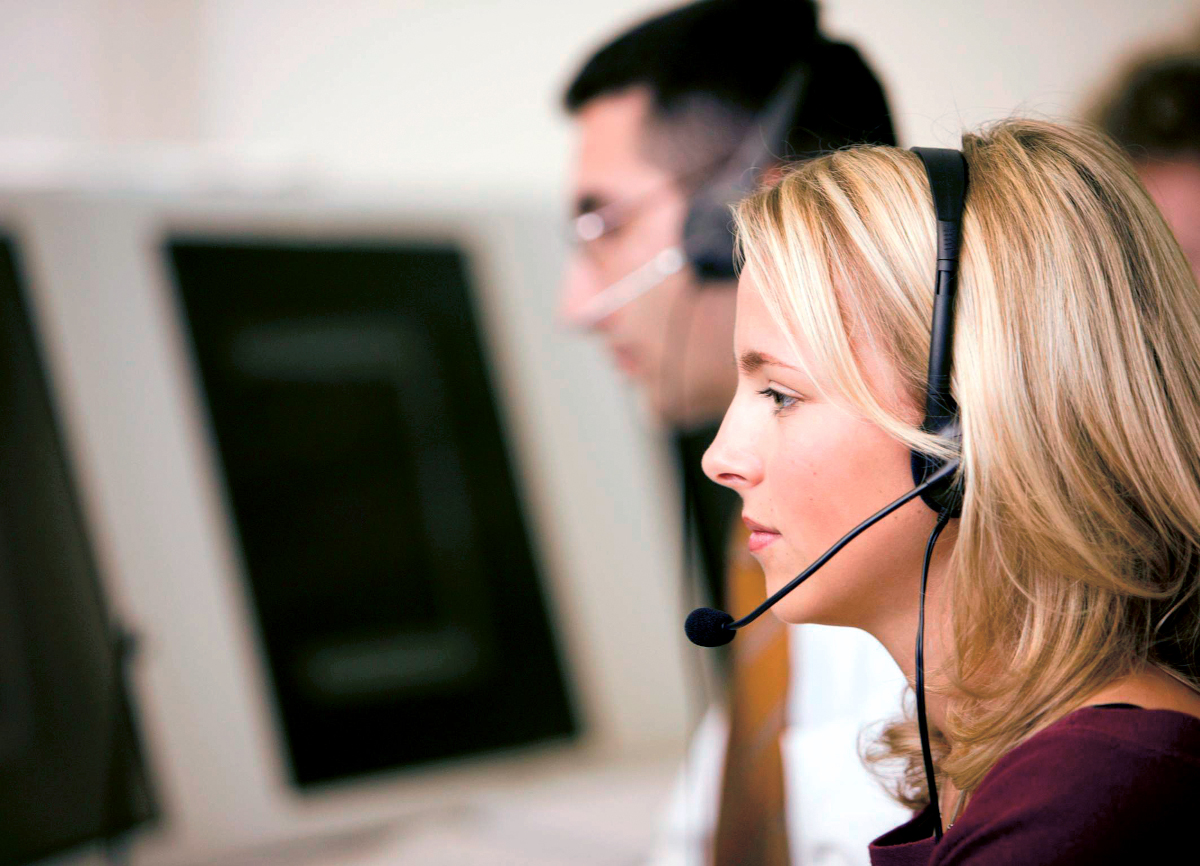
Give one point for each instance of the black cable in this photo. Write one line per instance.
(932, 481)
(922, 721)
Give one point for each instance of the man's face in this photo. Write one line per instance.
(672, 340)
(1175, 187)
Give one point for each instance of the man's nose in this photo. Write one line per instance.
(730, 460)
(581, 284)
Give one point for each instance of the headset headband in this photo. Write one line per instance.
(947, 173)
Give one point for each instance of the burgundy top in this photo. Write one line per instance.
(1111, 784)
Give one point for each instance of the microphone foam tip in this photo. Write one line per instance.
(706, 627)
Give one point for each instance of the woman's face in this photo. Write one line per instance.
(808, 472)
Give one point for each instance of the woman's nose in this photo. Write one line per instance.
(730, 461)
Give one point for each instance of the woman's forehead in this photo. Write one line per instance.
(759, 340)
(757, 332)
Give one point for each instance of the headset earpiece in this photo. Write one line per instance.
(708, 241)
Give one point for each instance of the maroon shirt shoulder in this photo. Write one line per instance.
(1101, 785)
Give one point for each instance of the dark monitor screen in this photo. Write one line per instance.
(69, 766)
(399, 604)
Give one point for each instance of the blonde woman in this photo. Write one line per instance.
(1062, 618)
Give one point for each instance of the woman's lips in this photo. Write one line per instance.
(759, 540)
(760, 536)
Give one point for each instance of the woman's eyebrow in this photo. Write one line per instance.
(751, 362)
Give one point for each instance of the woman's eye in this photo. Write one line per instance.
(782, 401)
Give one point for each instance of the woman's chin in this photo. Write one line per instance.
(808, 605)
(815, 601)
(793, 607)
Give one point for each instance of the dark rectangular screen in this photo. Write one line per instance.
(382, 534)
(69, 766)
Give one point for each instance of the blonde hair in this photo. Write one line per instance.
(1077, 374)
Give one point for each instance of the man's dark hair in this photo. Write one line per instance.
(718, 62)
(1154, 112)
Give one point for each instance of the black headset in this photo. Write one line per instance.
(939, 483)
(707, 244)
(708, 241)
(947, 173)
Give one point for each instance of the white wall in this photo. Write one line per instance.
(950, 65)
(460, 97)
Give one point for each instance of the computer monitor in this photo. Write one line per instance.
(383, 540)
(280, 409)
(70, 768)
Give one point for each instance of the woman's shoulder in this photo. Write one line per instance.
(1116, 731)
(1097, 786)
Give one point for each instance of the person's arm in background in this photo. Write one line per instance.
(691, 814)
(843, 685)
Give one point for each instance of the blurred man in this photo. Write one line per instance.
(1154, 113)
(673, 117)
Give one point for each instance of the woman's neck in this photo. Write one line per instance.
(1151, 688)
(897, 631)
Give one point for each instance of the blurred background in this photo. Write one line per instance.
(321, 540)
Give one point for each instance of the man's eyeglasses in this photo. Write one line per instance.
(593, 225)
